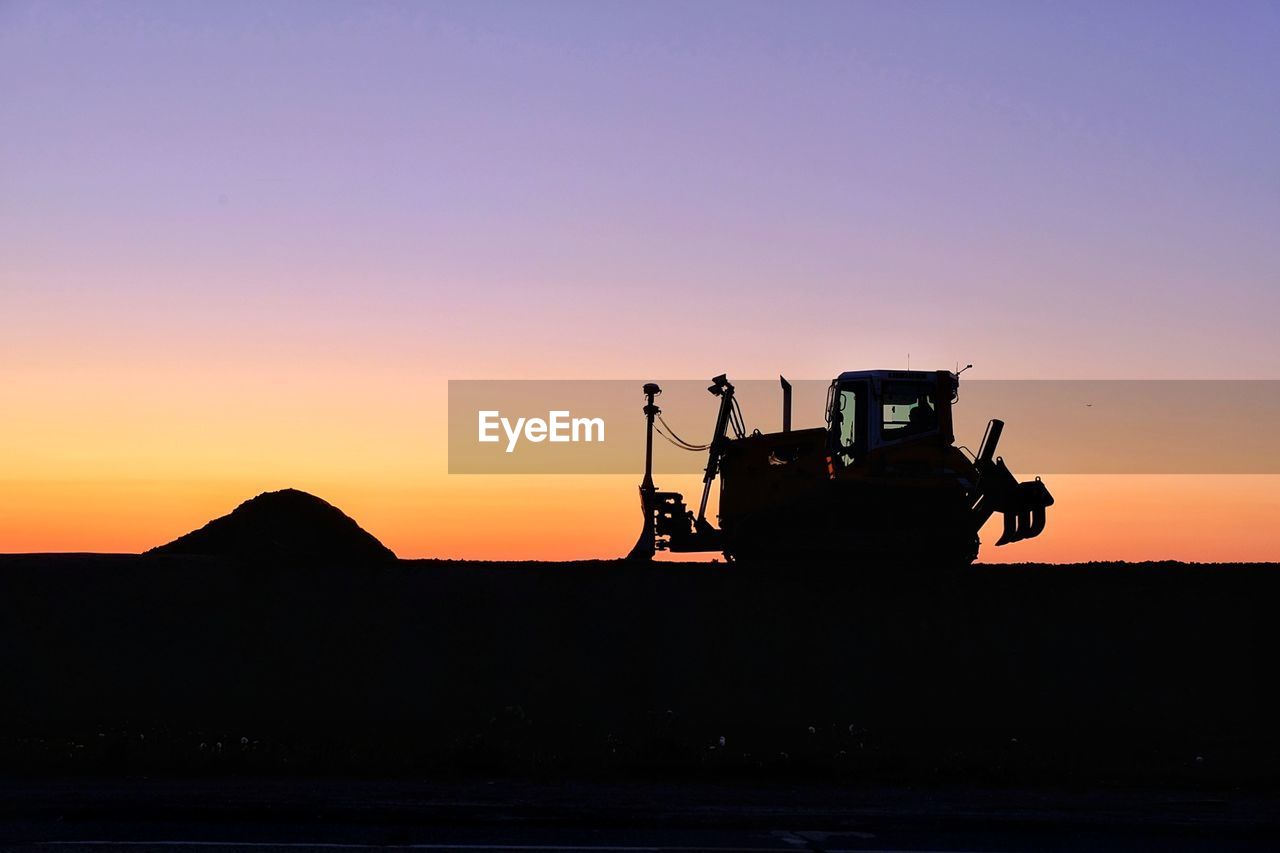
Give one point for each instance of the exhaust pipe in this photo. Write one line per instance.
(786, 404)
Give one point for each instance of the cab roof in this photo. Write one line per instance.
(899, 375)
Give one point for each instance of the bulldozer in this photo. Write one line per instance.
(883, 481)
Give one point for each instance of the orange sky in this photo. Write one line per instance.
(121, 456)
(1186, 517)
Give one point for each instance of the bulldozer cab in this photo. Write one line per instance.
(872, 409)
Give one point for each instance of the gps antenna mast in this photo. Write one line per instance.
(644, 547)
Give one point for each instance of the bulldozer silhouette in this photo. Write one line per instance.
(883, 481)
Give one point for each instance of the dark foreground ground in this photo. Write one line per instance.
(176, 814)
(1132, 688)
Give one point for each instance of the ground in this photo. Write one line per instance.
(1142, 693)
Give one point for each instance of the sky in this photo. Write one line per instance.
(244, 246)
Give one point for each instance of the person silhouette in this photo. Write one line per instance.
(921, 418)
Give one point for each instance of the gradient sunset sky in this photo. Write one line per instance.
(244, 246)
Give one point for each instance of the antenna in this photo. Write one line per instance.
(908, 361)
(966, 367)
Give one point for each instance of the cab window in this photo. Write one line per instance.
(907, 409)
(845, 418)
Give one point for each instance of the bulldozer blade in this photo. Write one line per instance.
(646, 545)
(643, 549)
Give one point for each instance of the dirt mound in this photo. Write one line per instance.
(289, 525)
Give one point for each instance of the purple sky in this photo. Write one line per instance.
(548, 189)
